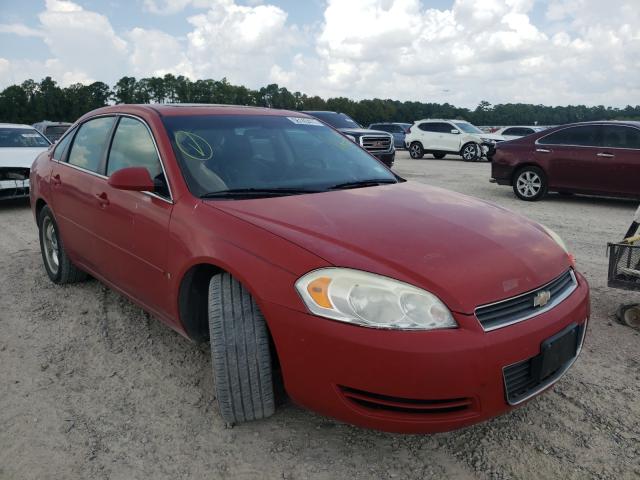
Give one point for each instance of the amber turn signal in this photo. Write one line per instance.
(319, 292)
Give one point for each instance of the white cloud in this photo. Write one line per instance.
(582, 51)
(20, 29)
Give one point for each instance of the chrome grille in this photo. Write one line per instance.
(378, 143)
(528, 305)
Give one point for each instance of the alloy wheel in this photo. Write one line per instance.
(469, 152)
(51, 249)
(529, 184)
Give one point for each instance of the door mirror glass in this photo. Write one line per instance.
(455, 131)
(136, 179)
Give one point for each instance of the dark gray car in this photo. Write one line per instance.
(398, 130)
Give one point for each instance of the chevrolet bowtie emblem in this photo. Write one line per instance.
(542, 298)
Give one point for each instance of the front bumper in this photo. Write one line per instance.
(387, 158)
(10, 189)
(410, 382)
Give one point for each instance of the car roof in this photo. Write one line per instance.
(632, 123)
(15, 125)
(441, 120)
(192, 109)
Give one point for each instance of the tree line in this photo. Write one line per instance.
(32, 102)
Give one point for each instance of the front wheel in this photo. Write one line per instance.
(470, 152)
(416, 151)
(240, 351)
(530, 184)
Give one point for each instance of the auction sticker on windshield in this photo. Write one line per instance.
(305, 121)
(193, 145)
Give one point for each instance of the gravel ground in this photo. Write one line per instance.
(92, 387)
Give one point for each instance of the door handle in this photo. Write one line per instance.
(55, 180)
(605, 155)
(543, 150)
(103, 199)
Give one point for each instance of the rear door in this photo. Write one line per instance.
(621, 152)
(570, 158)
(450, 142)
(134, 226)
(75, 178)
(429, 135)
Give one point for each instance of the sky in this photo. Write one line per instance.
(552, 52)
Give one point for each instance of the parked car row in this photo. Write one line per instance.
(595, 158)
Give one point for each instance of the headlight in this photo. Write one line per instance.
(370, 300)
(488, 140)
(350, 137)
(556, 238)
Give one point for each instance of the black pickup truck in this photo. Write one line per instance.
(377, 143)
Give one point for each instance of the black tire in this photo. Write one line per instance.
(242, 368)
(416, 151)
(530, 184)
(59, 267)
(470, 152)
(439, 156)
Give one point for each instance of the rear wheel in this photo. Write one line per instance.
(59, 267)
(470, 152)
(439, 156)
(416, 151)
(530, 184)
(242, 368)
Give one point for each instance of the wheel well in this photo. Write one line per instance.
(193, 300)
(418, 142)
(193, 305)
(40, 204)
(517, 171)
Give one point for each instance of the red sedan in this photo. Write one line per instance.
(594, 158)
(380, 302)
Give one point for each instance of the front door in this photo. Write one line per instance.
(136, 224)
(621, 153)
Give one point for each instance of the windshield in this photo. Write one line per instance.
(220, 153)
(336, 120)
(22, 137)
(467, 127)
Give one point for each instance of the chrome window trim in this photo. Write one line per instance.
(116, 115)
(537, 142)
(555, 302)
(551, 380)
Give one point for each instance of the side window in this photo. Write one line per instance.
(615, 136)
(61, 147)
(510, 131)
(133, 146)
(427, 127)
(586, 136)
(90, 142)
(446, 127)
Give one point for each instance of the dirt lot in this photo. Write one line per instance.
(91, 387)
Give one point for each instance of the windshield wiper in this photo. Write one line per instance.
(257, 192)
(363, 183)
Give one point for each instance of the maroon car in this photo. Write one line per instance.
(594, 158)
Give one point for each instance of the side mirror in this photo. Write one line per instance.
(133, 178)
(455, 131)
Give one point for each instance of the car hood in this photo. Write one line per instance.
(21, 157)
(491, 136)
(465, 251)
(363, 131)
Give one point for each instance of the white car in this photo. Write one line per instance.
(19, 147)
(518, 131)
(456, 137)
